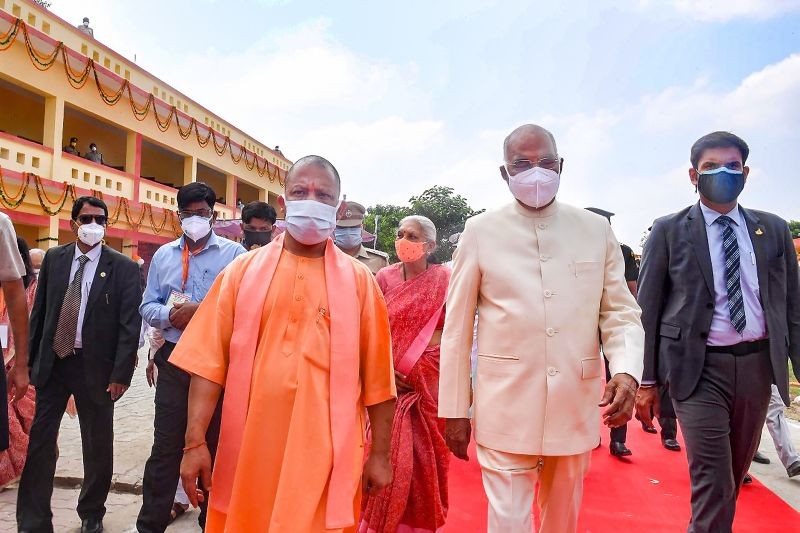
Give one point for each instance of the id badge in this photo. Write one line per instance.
(176, 297)
(4, 336)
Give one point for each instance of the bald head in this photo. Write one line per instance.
(316, 161)
(526, 136)
(37, 256)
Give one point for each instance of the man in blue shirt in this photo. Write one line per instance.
(180, 275)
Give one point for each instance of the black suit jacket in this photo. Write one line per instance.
(111, 323)
(676, 294)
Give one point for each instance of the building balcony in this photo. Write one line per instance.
(21, 155)
(90, 175)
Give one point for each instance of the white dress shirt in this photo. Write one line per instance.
(86, 286)
(722, 332)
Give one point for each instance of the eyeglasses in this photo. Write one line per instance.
(205, 213)
(88, 219)
(521, 165)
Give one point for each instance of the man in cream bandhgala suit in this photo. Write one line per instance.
(546, 278)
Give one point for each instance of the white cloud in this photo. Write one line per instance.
(724, 10)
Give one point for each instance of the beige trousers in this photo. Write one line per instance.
(510, 479)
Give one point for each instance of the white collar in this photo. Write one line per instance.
(710, 216)
(93, 254)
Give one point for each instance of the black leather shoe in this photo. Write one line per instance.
(760, 458)
(794, 469)
(618, 449)
(649, 429)
(92, 525)
(671, 444)
(747, 479)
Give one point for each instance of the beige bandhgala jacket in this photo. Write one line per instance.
(548, 288)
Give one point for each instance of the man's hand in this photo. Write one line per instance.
(116, 390)
(181, 314)
(377, 473)
(196, 464)
(151, 372)
(457, 433)
(648, 404)
(619, 395)
(18, 380)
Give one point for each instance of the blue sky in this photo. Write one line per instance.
(405, 95)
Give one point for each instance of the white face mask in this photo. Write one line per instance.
(196, 227)
(310, 222)
(535, 187)
(348, 238)
(91, 234)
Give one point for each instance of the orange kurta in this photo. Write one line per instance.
(286, 457)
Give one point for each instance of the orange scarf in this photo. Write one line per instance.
(344, 378)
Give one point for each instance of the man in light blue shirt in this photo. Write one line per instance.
(180, 275)
(722, 332)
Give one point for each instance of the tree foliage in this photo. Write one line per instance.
(446, 209)
(794, 227)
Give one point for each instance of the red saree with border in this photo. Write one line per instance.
(416, 501)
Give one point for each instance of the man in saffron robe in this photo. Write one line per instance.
(297, 333)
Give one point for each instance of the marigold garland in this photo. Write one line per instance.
(44, 61)
(54, 207)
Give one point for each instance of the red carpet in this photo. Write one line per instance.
(648, 493)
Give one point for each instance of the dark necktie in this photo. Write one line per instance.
(733, 281)
(67, 327)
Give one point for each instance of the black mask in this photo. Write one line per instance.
(721, 186)
(260, 238)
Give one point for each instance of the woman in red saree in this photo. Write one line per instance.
(415, 293)
(20, 413)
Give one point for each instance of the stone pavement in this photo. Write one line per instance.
(120, 517)
(774, 475)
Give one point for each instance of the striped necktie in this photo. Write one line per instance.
(67, 327)
(732, 273)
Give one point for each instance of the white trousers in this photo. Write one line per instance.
(510, 479)
(781, 435)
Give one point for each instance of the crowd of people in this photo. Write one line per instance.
(302, 383)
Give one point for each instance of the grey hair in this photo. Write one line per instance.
(428, 227)
(38, 251)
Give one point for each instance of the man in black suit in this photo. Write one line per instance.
(721, 311)
(84, 335)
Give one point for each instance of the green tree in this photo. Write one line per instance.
(446, 209)
(794, 227)
(390, 217)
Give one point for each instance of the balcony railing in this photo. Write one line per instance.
(20, 155)
(90, 175)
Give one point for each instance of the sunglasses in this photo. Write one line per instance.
(88, 219)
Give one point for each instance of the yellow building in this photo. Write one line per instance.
(56, 83)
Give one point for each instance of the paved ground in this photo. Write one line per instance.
(134, 437)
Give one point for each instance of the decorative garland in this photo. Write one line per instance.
(78, 79)
(55, 207)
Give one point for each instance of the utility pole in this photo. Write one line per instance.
(375, 242)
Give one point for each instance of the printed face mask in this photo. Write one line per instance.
(347, 238)
(310, 222)
(91, 234)
(721, 185)
(535, 187)
(196, 227)
(409, 251)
